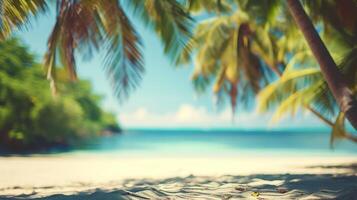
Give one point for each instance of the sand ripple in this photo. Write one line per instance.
(277, 186)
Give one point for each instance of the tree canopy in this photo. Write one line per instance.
(30, 117)
(250, 49)
(84, 27)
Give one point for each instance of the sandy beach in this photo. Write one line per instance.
(92, 176)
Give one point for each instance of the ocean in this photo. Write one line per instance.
(220, 143)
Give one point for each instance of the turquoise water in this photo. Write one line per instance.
(219, 142)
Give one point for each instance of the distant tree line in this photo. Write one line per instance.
(32, 118)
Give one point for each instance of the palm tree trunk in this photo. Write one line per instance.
(334, 78)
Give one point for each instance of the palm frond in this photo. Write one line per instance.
(263, 11)
(290, 83)
(124, 62)
(210, 6)
(224, 51)
(294, 102)
(338, 129)
(169, 19)
(17, 14)
(200, 82)
(85, 26)
(73, 25)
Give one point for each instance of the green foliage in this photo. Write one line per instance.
(236, 49)
(302, 86)
(234, 53)
(210, 6)
(31, 118)
(58, 121)
(84, 27)
(16, 13)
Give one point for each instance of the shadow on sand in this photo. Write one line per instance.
(258, 186)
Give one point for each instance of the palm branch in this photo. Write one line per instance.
(85, 27)
(169, 19)
(17, 14)
(301, 87)
(234, 53)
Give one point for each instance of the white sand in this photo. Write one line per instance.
(164, 176)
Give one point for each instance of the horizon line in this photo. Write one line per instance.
(225, 129)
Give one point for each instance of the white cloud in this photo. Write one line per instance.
(188, 116)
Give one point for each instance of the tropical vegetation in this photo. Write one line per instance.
(242, 45)
(244, 49)
(85, 27)
(31, 119)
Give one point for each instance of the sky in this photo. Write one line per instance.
(165, 97)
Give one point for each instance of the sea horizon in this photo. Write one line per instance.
(213, 143)
(224, 128)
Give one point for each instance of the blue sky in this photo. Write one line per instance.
(165, 98)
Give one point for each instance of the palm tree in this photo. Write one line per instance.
(296, 88)
(302, 86)
(236, 51)
(334, 78)
(339, 22)
(87, 26)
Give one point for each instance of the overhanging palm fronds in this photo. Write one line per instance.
(84, 26)
(124, 62)
(210, 6)
(288, 84)
(17, 13)
(263, 11)
(230, 49)
(335, 15)
(302, 87)
(169, 19)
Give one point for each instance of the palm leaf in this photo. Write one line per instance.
(124, 62)
(170, 21)
(85, 26)
(275, 92)
(17, 14)
(338, 129)
(210, 6)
